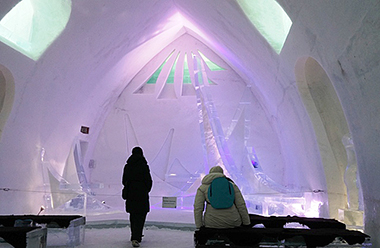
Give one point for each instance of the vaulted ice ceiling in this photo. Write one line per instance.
(175, 77)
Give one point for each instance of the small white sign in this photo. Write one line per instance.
(169, 202)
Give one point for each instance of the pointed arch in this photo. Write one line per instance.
(170, 74)
(330, 126)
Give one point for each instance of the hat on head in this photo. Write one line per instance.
(137, 150)
(216, 169)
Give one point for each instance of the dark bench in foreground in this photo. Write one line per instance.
(322, 232)
(280, 221)
(21, 237)
(74, 224)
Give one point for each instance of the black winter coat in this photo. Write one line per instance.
(137, 183)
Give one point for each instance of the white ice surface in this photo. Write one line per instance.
(165, 228)
(153, 237)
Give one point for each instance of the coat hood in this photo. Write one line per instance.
(216, 169)
(210, 177)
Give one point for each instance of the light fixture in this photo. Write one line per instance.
(42, 208)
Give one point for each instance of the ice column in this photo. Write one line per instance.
(351, 178)
(214, 143)
(353, 216)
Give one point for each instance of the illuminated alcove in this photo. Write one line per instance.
(270, 20)
(7, 92)
(31, 26)
(331, 130)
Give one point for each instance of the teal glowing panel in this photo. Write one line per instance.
(30, 27)
(170, 79)
(270, 20)
(210, 64)
(153, 78)
(186, 74)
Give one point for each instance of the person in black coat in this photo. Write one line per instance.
(137, 183)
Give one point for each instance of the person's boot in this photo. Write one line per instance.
(135, 243)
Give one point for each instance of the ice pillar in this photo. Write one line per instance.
(351, 179)
(214, 143)
(353, 216)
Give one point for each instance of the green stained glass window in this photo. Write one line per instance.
(270, 20)
(186, 74)
(210, 64)
(210, 82)
(170, 79)
(32, 26)
(153, 78)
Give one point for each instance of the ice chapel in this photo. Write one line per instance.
(283, 94)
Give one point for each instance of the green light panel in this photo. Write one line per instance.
(270, 20)
(153, 78)
(186, 74)
(170, 79)
(210, 64)
(32, 26)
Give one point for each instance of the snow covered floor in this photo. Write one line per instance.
(153, 237)
(165, 228)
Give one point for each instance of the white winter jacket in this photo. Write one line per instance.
(219, 218)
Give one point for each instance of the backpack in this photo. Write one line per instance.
(221, 193)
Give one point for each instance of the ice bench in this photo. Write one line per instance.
(322, 232)
(21, 237)
(74, 224)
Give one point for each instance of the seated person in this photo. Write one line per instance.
(231, 217)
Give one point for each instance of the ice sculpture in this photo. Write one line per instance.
(214, 143)
(250, 163)
(174, 174)
(262, 194)
(68, 191)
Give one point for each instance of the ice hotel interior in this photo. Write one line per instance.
(283, 94)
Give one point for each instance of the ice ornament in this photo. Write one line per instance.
(262, 194)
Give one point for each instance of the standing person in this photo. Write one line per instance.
(137, 183)
(230, 217)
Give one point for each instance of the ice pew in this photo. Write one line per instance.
(21, 237)
(322, 232)
(74, 224)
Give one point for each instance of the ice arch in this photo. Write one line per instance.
(158, 113)
(7, 92)
(32, 25)
(161, 115)
(330, 126)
